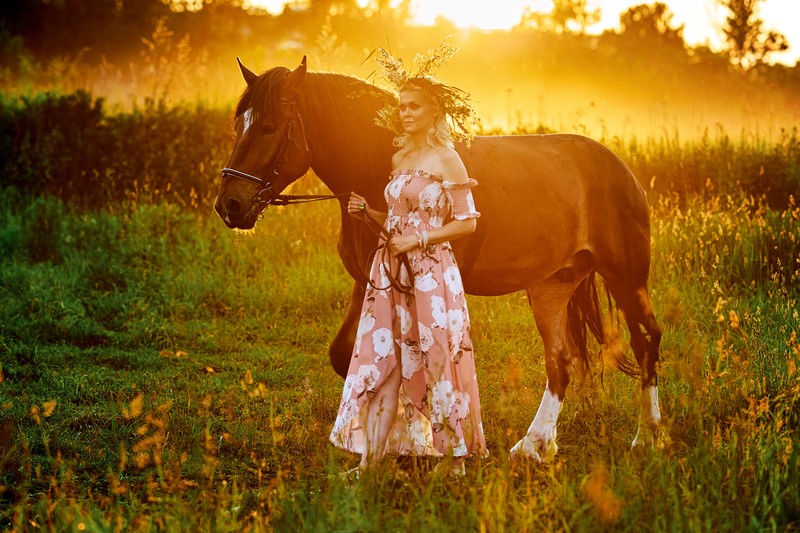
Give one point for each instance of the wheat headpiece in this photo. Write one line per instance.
(453, 101)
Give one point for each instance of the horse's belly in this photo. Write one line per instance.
(509, 263)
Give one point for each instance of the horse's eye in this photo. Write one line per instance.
(268, 127)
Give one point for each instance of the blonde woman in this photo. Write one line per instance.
(411, 387)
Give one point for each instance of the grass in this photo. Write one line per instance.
(159, 372)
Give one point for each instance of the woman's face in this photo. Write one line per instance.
(417, 112)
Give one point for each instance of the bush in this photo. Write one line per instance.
(68, 146)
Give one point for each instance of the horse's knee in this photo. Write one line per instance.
(560, 365)
(341, 348)
(339, 353)
(645, 343)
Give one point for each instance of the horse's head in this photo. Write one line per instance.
(270, 149)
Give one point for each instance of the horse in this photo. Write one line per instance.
(557, 211)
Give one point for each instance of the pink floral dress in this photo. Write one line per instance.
(439, 412)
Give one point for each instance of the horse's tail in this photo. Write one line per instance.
(583, 313)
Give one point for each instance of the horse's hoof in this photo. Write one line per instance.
(652, 437)
(540, 450)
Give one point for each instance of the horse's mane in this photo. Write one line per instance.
(257, 95)
(354, 98)
(349, 98)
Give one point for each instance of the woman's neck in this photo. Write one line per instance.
(419, 142)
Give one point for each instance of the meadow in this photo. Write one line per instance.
(161, 372)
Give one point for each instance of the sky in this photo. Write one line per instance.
(699, 17)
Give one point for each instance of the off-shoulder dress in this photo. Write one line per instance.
(427, 332)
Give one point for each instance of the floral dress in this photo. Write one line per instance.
(428, 331)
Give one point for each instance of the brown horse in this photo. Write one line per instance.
(556, 210)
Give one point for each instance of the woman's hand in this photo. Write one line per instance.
(356, 204)
(400, 244)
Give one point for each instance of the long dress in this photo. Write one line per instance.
(439, 410)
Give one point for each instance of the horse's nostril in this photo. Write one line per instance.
(233, 206)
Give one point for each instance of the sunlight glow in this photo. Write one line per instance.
(274, 7)
(701, 18)
(484, 15)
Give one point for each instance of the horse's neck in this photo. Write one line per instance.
(349, 152)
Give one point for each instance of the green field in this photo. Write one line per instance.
(162, 372)
(159, 372)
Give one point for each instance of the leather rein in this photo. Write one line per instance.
(265, 198)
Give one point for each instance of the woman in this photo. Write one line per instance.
(411, 386)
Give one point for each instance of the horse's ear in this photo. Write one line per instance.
(249, 75)
(295, 78)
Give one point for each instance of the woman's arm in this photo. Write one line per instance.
(454, 229)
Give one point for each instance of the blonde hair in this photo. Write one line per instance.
(439, 135)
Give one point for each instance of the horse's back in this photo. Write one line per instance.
(542, 199)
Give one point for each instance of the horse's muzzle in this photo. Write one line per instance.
(233, 213)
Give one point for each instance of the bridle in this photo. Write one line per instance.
(265, 196)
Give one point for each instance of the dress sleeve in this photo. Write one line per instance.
(461, 200)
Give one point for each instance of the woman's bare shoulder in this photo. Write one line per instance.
(453, 169)
(396, 158)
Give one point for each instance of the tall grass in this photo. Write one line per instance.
(158, 371)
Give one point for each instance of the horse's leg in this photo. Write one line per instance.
(634, 301)
(341, 348)
(549, 302)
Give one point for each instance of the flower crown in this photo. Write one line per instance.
(453, 101)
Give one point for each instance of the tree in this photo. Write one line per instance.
(565, 13)
(651, 22)
(748, 43)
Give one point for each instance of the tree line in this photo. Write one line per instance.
(41, 29)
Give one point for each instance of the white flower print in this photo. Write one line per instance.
(436, 221)
(455, 326)
(366, 378)
(460, 449)
(438, 311)
(347, 412)
(396, 187)
(453, 281)
(382, 343)
(421, 436)
(425, 337)
(365, 324)
(471, 204)
(425, 283)
(460, 406)
(414, 219)
(349, 383)
(442, 401)
(429, 196)
(405, 318)
(384, 282)
(412, 359)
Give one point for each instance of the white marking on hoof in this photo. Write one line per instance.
(540, 441)
(651, 431)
